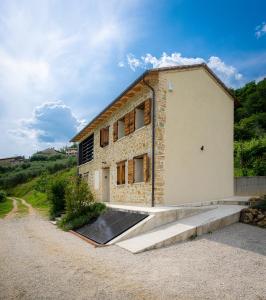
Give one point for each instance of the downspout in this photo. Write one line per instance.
(153, 141)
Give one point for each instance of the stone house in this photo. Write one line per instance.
(165, 140)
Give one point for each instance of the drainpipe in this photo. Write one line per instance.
(153, 140)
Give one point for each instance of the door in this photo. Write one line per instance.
(106, 184)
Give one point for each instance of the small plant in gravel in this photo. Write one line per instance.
(81, 207)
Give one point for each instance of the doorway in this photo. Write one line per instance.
(106, 184)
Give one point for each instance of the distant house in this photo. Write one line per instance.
(71, 151)
(166, 140)
(49, 151)
(14, 160)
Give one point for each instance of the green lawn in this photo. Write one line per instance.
(5, 207)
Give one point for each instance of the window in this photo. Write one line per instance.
(139, 116)
(86, 150)
(121, 128)
(138, 172)
(121, 172)
(104, 136)
(138, 169)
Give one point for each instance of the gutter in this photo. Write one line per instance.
(153, 140)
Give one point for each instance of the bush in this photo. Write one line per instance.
(38, 157)
(42, 183)
(80, 205)
(56, 197)
(93, 212)
(78, 198)
(2, 196)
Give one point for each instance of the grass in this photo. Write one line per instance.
(5, 207)
(38, 200)
(22, 189)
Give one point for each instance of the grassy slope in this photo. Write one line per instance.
(5, 207)
(37, 199)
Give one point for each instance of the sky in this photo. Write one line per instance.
(63, 61)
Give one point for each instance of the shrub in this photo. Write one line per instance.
(42, 183)
(38, 157)
(56, 197)
(80, 205)
(93, 211)
(2, 196)
(78, 198)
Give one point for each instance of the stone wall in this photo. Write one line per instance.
(137, 143)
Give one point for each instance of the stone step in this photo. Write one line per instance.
(183, 229)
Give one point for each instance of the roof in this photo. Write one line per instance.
(134, 85)
(12, 157)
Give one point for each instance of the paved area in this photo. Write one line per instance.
(39, 261)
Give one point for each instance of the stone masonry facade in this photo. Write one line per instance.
(126, 148)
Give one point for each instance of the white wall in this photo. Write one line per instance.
(198, 113)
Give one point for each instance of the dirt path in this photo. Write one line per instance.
(39, 261)
(13, 212)
(31, 210)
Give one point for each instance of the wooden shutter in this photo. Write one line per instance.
(131, 171)
(101, 137)
(146, 167)
(147, 111)
(118, 180)
(132, 121)
(127, 124)
(123, 172)
(104, 136)
(115, 131)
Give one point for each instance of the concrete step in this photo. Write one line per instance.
(183, 229)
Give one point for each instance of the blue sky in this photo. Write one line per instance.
(61, 62)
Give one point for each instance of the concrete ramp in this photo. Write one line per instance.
(183, 229)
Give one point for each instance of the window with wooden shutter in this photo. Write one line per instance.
(141, 168)
(104, 136)
(147, 111)
(127, 124)
(121, 173)
(146, 167)
(139, 116)
(132, 121)
(115, 131)
(130, 167)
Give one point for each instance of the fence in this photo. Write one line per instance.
(250, 185)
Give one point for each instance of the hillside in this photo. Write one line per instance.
(37, 164)
(250, 130)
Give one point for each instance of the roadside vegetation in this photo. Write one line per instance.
(250, 130)
(5, 204)
(80, 206)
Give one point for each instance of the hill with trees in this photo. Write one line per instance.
(36, 165)
(250, 130)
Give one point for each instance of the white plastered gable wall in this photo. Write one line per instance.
(199, 112)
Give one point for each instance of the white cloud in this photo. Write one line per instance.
(45, 54)
(260, 30)
(133, 62)
(121, 64)
(52, 123)
(227, 73)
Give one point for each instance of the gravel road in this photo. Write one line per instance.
(39, 261)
